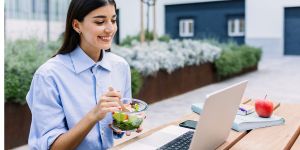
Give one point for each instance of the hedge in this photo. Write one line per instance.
(23, 57)
(235, 58)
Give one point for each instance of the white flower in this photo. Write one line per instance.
(148, 58)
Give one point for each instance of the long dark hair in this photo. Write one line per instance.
(78, 9)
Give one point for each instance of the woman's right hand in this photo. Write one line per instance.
(109, 102)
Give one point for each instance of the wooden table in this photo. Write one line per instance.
(271, 138)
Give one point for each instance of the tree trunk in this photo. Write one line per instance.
(142, 35)
(154, 21)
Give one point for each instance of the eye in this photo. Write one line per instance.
(113, 21)
(99, 22)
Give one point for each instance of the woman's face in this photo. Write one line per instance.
(98, 28)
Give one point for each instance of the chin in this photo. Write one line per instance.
(105, 46)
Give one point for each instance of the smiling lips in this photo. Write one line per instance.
(105, 38)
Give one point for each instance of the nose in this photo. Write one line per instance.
(109, 28)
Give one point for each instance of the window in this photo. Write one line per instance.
(186, 28)
(17, 8)
(236, 27)
(57, 10)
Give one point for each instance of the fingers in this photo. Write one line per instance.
(109, 99)
(110, 88)
(140, 129)
(116, 131)
(110, 109)
(109, 104)
(128, 133)
(112, 93)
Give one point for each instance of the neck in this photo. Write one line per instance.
(91, 51)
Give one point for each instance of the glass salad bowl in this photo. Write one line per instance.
(131, 118)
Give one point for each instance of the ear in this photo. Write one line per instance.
(76, 25)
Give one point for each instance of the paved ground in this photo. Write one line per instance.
(279, 77)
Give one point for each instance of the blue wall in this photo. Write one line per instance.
(210, 19)
(292, 31)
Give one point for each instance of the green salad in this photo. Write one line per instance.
(125, 122)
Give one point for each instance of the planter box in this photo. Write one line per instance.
(17, 124)
(164, 85)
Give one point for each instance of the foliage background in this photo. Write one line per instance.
(23, 57)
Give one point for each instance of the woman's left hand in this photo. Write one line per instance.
(128, 133)
(138, 130)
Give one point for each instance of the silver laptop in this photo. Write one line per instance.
(213, 126)
(218, 115)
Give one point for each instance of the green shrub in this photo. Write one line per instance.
(257, 53)
(164, 38)
(54, 45)
(250, 56)
(234, 58)
(228, 63)
(22, 58)
(136, 82)
(127, 42)
(149, 36)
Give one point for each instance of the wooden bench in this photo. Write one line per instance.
(277, 137)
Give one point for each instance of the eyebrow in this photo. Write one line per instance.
(101, 16)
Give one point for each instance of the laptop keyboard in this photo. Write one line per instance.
(180, 143)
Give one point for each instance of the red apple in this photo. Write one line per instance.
(264, 108)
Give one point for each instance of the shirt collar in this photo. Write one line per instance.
(105, 62)
(81, 61)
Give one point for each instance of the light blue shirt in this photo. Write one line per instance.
(66, 88)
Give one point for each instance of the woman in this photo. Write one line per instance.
(73, 94)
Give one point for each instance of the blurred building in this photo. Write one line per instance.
(273, 25)
(41, 19)
(270, 24)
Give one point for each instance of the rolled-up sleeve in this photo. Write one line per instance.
(48, 118)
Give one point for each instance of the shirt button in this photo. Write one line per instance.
(102, 132)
